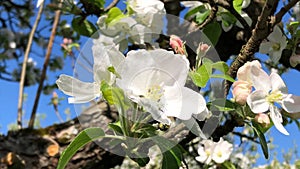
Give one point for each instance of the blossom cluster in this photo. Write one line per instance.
(217, 152)
(270, 91)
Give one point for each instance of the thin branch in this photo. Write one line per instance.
(23, 73)
(46, 62)
(111, 5)
(262, 30)
(212, 15)
(245, 136)
(284, 10)
(239, 18)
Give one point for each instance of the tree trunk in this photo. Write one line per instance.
(41, 148)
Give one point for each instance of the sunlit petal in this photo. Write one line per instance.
(277, 119)
(257, 101)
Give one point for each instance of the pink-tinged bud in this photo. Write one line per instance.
(54, 99)
(295, 60)
(202, 49)
(177, 44)
(67, 41)
(241, 90)
(263, 119)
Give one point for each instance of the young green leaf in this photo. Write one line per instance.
(262, 140)
(201, 76)
(172, 154)
(213, 32)
(83, 26)
(223, 76)
(80, 140)
(114, 14)
(221, 66)
(200, 17)
(237, 5)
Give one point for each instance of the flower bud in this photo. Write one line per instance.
(295, 60)
(177, 44)
(202, 49)
(241, 90)
(54, 99)
(263, 119)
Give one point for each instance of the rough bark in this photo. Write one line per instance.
(41, 148)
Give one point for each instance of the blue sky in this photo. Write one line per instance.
(9, 100)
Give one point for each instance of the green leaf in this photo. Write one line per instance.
(99, 3)
(213, 32)
(142, 162)
(113, 15)
(200, 17)
(83, 26)
(222, 105)
(237, 5)
(221, 66)
(116, 127)
(80, 140)
(223, 76)
(194, 11)
(228, 165)
(228, 19)
(201, 76)
(262, 140)
(172, 154)
(113, 70)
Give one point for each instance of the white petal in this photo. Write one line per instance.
(277, 119)
(81, 91)
(166, 60)
(278, 83)
(275, 56)
(153, 109)
(276, 35)
(183, 107)
(257, 101)
(291, 104)
(265, 47)
(260, 79)
(190, 4)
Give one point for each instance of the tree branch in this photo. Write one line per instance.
(46, 62)
(284, 10)
(23, 73)
(112, 4)
(262, 30)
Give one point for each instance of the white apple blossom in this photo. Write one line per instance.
(243, 86)
(270, 90)
(149, 13)
(82, 92)
(222, 151)
(211, 151)
(155, 80)
(205, 151)
(275, 44)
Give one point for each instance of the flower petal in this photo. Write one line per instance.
(184, 104)
(152, 107)
(81, 91)
(276, 35)
(291, 104)
(265, 47)
(277, 83)
(277, 119)
(257, 101)
(260, 79)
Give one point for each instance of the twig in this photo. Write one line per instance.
(262, 30)
(247, 137)
(46, 62)
(23, 73)
(284, 10)
(112, 4)
(212, 15)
